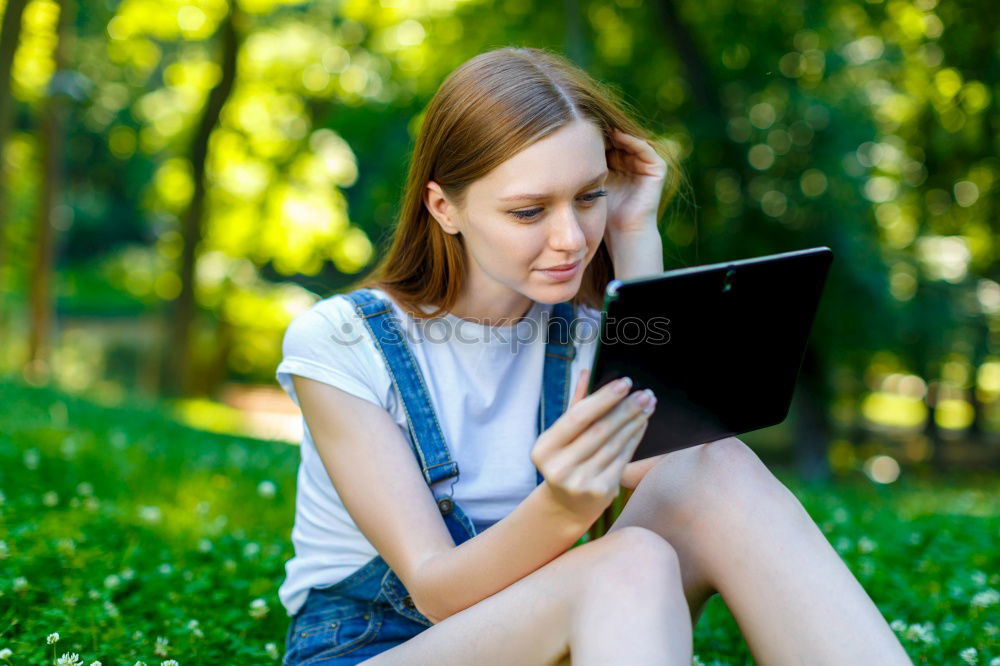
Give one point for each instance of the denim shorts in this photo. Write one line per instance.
(350, 621)
(337, 631)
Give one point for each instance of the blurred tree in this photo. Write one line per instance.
(176, 354)
(51, 138)
(10, 32)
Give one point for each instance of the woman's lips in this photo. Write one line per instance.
(562, 273)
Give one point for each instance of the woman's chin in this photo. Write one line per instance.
(555, 292)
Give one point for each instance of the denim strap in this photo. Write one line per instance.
(427, 438)
(559, 353)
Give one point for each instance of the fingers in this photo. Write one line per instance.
(616, 466)
(582, 379)
(632, 154)
(612, 447)
(602, 431)
(578, 417)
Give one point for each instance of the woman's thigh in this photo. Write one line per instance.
(529, 621)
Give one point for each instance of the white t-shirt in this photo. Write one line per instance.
(485, 384)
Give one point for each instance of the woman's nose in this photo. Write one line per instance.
(566, 233)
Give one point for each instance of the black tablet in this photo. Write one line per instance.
(720, 345)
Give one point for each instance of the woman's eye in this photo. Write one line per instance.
(525, 214)
(531, 213)
(595, 195)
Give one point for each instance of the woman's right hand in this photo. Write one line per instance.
(583, 454)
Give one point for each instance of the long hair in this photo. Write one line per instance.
(490, 108)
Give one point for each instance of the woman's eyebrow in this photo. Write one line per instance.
(518, 197)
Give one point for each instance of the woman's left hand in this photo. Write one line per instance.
(635, 186)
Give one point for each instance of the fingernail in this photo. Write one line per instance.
(648, 409)
(624, 384)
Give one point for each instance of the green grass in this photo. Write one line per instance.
(120, 526)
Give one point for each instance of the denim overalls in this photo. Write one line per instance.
(370, 611)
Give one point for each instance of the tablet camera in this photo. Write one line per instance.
(727, 282)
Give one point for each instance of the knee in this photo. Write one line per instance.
(720, 479)
(635, 555)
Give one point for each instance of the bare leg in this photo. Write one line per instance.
(740, 532)
(617, 599)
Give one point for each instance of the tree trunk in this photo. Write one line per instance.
(43, 260)
(812, 424)
(10, 34)
(176, 353)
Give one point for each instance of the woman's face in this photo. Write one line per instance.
(542, 208)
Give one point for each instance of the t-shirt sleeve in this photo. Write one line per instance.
(329, 343)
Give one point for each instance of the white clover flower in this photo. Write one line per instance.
(140, 663)
(921, 632)
(69, 659)
(695, 661)
(3, 498)
(112, 581)
(866, 545)
(168, 662)
(50, 498)
(128, 573)
(251, 549)
(985, 598)
(272, 650)
(96, 663)
(52, 638)
(258, 608)
(111, 609)
(84, 489)
(995, 661)
(979, 577)
(969, 656)
(898, 626)
(5, 653)
(31, 459)
(204, 545)
(151, 514)
(4, 551)
(165, 568)
(20, 583)
(161, 646)
(91, 504)
(267, 489)
(195, 629)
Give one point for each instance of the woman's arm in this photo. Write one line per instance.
(379, 481)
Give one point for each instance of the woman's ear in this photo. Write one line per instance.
(440, 208)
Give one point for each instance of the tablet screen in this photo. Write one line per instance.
(720, 345)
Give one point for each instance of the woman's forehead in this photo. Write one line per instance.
(572, 156)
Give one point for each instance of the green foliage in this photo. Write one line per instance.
(120, 526)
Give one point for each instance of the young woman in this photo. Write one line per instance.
(446, 473)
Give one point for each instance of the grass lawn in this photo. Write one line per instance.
(138, 539)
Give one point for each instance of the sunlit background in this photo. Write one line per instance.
(180, 178)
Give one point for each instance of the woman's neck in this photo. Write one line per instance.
(494, 305)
